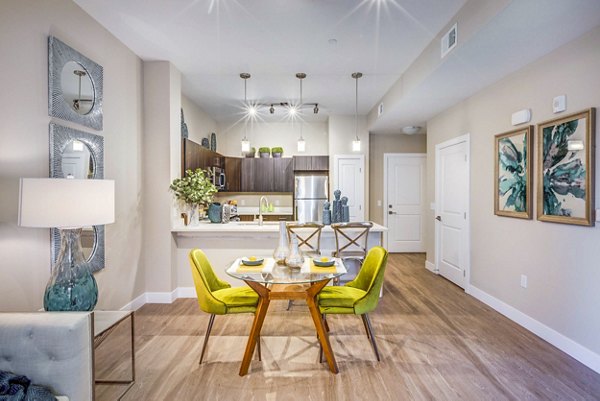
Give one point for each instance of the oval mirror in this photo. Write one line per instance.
(77, 87)
(77, 161)
(88, 241)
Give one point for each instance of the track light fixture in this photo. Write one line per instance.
(272, 109)
(316, 109)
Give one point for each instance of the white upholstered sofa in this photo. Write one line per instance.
(53, 349)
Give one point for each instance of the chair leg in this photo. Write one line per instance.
(289, 304)
(325, 323)
(208, 330)
(366, 327)
(371, 336)
(258, 347)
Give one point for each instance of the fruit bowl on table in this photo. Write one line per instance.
(324, 262)
(252, 261)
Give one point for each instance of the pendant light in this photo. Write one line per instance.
(245, 141)
(356, 141)
(301, 141)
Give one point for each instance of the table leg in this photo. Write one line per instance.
(259, 318)
(311, 293)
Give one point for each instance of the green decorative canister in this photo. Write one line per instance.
(214, 212)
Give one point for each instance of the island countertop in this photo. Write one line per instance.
(242, 227)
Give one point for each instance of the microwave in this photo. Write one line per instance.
(218, 177)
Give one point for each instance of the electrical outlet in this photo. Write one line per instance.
(523, 281)
(243, 202)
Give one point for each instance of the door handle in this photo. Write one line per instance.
(390, 212)
(438, 218)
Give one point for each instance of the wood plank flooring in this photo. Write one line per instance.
(436, 343)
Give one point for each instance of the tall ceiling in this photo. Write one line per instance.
(212, 41)
(394, 43)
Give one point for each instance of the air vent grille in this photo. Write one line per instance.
(449, 41)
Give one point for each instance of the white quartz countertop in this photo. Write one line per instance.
(246, 227)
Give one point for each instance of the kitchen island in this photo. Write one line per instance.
(223, 243)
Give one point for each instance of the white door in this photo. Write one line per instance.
(349, 177)
(404, 194)
(452, 203)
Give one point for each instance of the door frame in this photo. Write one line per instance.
(336, 177)
(467, 256)
(386, 157)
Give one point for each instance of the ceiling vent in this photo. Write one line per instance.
(449, 41)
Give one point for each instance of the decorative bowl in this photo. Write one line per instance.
(254, 262)
(320, 263)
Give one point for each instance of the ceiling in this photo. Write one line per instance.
(212, 41)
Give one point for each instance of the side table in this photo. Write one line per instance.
(104, 323)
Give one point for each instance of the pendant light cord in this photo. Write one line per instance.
(356, 109)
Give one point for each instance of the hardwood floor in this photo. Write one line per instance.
(436, 343)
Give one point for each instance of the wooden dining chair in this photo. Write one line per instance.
(309, 240)
(351, 243)
(358, 297)
(217, 297)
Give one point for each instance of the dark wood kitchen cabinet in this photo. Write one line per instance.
(196, 156)
(233, 174)
(283, 174)
(311, 163)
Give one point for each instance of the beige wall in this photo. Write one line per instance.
(273, 134)
(199, 123)
(561, 261)
(24, 149)
(378, 146)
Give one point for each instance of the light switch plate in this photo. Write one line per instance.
(597, 214)
(523, 281)
(559, 104)
(432, 206)
(379, 202)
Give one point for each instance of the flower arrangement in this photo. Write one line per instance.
(195, 189)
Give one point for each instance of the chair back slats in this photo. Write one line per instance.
(352, 238)
(308, 234)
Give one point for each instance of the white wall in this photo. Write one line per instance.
(561, 261)
(273, 134)
(342, 131)
(199, 123)
(24, 148)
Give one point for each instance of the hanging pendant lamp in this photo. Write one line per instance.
(245, 141)
(301, 141)
(356, 141)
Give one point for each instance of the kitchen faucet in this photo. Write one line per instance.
(260, 202)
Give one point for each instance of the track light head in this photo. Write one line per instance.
(272, 109)
(316, 109)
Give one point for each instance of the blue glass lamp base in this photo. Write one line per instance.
(71, 287)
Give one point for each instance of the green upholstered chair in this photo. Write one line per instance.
(360, 296)
(216, 296)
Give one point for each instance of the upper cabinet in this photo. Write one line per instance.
(311, 163)
(267, 175)
(196, 156)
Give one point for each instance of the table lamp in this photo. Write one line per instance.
(69, 205)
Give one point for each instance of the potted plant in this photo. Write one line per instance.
(195, 190)
(250, 153)
(277, 151)
(264, 151)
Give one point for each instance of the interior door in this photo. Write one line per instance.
(405, 202)
(452, 195)
(350, 179)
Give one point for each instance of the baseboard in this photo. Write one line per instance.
(186, 292)
(136, 304)
(161, 297)
(431, 267)
(560, 341)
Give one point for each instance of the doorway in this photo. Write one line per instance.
(452, 239)
(349, 177)
(404, 177)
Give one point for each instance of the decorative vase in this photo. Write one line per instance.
(282, 250)
(326, 213)
(295, 259)
(205, 143)
(72, 286)
(264, 154)
(214, 212)
(213, 142)
(277, 155)
(193, 216)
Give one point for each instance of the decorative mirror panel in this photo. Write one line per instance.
(74, 85)
(80, 155)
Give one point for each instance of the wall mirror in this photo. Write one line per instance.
(78, 154)
(74, 85)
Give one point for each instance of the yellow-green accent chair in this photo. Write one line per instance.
(360, 296)
(216, 296)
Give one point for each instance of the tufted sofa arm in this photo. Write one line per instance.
(53, 349)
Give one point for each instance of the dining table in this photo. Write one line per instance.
(273, 281)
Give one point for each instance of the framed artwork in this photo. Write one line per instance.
(566, 169)
(513, 173)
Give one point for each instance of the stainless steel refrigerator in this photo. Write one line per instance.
(310, 192)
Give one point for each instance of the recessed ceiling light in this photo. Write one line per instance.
(411, 129)
(332, 42)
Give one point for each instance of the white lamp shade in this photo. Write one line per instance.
(66, 203)
(301, 145)
(356, 145)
